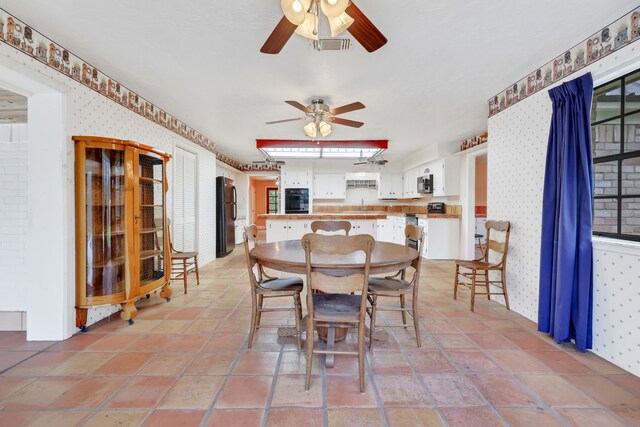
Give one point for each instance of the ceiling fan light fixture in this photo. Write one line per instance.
(295, 10)
(333, 8)
(308, 27)
(325, 128)
(310, 129)
(340, 24)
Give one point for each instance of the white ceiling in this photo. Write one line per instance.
(200, 60)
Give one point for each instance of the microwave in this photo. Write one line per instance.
(425, 184)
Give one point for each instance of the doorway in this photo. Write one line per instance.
(480, 204)
(264, 198)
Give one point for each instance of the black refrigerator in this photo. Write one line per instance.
(226, 214)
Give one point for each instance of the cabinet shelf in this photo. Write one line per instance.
(150, 230)
(105, 234)
(151, 206)
(105, 205)
(113, 262)
(145, 179)
(150, 254)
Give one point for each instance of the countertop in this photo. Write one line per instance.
(351, 215)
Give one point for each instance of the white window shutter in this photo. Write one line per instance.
(184, 199)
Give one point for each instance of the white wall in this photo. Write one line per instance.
(518, 139)
(13, 218)
(89, 113)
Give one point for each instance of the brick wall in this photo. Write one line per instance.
(606, 139)
(13, 214)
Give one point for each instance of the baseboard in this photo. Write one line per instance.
(13, 321)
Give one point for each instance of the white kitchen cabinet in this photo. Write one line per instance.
(240, 224)
(424, 223)
(384, 230)
(329, 186)
(280, 229)
(443, 238)
(296, 179)
(446, 176)
(276, 230)
(410, 183)
(390, 186)
(363, 226)
(399, 224)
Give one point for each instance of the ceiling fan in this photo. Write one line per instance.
(269, 161)
(321, 115)
(301, 16)
(373, 161)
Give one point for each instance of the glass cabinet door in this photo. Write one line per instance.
(105, 222)
(150, 218)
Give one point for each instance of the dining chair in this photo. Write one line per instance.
(331, 226)
(333, 306)
(182, 263)
(399, 286)
(493, 259)
(264, 286)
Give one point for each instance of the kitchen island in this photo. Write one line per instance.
(442, 242)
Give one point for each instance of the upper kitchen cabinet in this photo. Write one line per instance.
(390, 186)
(410, 183)
(296, 179)
(446, 176)
(329, 186)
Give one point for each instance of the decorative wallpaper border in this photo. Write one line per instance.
(22, 37)
(606, 41)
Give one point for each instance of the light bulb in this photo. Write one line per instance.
(332, 2)
(297, 6)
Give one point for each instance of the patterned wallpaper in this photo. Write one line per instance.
(25, 39)
(518, 138)
(601, 44)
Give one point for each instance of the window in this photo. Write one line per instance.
(615, 118)
(273, 200)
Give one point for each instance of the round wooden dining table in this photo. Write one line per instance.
(289, 256)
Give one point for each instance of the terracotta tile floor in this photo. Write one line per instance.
(186, 363)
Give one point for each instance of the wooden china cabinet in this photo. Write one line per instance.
(122, 247)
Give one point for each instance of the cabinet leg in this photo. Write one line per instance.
(166, 292)
(129, 311)
(81, 318)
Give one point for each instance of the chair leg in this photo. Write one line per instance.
(195, 261)
(473, 290)
(297, 313)
(486, 281)
(361, 354)
(416, 323)
(184, 274)
(455, 283)
(254, 310)
(259, 313)
(404, 313)
(309, 353)
(372, 323)
(504, 288)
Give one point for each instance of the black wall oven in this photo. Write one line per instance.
(296, 201)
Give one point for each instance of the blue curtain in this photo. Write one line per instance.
(566, 257)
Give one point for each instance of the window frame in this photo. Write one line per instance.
(618, 158)
(268, 199)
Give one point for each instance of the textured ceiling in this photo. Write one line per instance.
(200, 61)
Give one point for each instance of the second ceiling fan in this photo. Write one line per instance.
(321, 115)
(301, 16)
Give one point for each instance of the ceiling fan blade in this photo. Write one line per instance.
(345, 122)
(299, 106)
(347, 108)
(360, 163)
(258, 162)
(364, 31)
(285, 120)
(279, 37)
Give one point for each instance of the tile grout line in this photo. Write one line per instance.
(272, 389)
